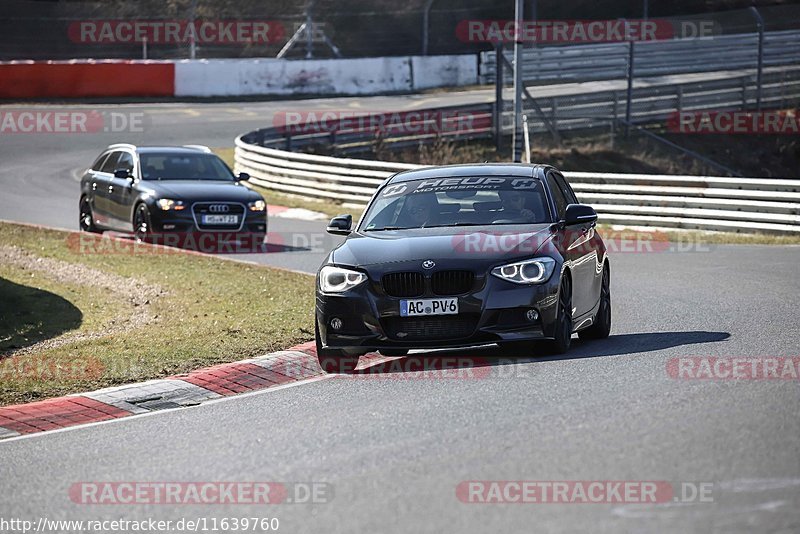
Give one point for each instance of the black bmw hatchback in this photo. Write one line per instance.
(169, 195)
(463, 255)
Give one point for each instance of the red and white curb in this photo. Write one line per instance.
(298, 364)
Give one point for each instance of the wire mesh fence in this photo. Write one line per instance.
(746, 63)
(32, 29)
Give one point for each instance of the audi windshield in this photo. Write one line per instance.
(166, 166)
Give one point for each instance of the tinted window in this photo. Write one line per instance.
(110, 164)
(458, 201)
(98, 164)
(566, 189)
(125, 162)
(166, 166)
(558, 196)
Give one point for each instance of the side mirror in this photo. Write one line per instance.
(579, 214)
(122, 174)
(243, 177)
(341, 225)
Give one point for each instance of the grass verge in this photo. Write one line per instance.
(74, 319)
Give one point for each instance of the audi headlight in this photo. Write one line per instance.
(535, 271)
(338, 280)
(257, 205)
(167, 204)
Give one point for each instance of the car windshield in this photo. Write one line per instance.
(172, 166)
(457, 201)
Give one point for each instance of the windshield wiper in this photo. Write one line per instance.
(390, 228)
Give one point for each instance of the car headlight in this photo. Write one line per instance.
(338, 280)
(257, 205)
(167, 204)
(535, 271)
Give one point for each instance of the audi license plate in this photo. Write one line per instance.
(411, 308)
(220, 219)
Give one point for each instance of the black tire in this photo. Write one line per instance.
(393, 352)
(601, 327)
(333, 360)
(142, 225)
(562, 334)
(86, 220)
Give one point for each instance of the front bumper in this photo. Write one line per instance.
(184, 222)
(494, 312)
(180, 229)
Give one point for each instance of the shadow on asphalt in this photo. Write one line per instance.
(493, 356)
(617, 345)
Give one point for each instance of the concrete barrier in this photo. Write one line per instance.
(428, 72)
(86, 78)
(231, 77)
(234, 77)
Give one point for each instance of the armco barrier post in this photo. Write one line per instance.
(760, 71)
(426, 16)
(192, 43)
(518, 17)
(629, 104)
(498, 98)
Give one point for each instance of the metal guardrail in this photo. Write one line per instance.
(654, 100)
(607, 61)
(688, 202)
(705, 203)
(584, 108)
(405, 129)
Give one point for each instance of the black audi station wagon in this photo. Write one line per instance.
(169, 191)
(459, 256)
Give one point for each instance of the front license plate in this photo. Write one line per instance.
(220, 219)
(411, 308)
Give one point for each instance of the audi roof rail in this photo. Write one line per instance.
(202, 148)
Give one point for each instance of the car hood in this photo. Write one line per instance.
(450, 245)
(197, 191)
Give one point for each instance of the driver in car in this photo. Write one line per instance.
(514, 205)
(420, 209)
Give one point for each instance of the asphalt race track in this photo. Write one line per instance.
(394, 448)
(40, 173)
